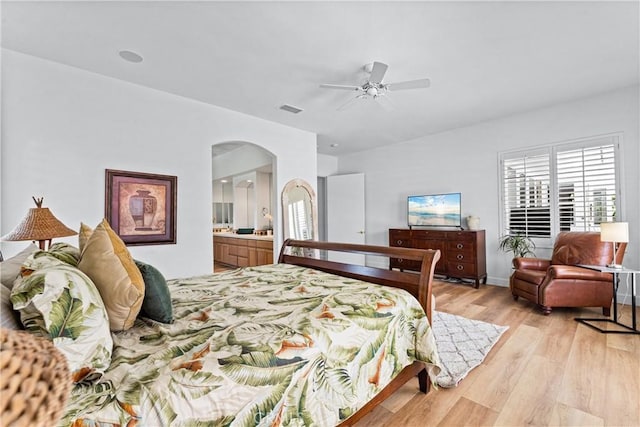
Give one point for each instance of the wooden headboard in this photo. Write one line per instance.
(306, 253)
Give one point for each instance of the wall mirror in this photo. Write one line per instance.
(299, 211)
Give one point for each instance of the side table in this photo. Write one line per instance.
(615, 272)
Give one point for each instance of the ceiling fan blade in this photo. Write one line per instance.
(350, 102)
(411, 84)
(385, 102)
(342, 87)
(377, 72)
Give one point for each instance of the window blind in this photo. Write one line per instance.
(562, 187)
(586, 187)
(526, 199)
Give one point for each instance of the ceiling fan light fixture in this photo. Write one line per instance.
(373, 88)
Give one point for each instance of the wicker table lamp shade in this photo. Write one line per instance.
(39, 224)
(34, 380)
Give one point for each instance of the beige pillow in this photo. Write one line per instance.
(83, 235)
(106, 260)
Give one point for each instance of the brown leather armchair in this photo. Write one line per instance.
(558, 282)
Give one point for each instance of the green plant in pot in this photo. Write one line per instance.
(519, 244)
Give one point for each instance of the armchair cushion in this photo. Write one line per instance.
(532, 276)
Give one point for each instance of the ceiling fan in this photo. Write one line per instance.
(373, 88)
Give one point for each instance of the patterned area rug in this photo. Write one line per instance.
(462, 344)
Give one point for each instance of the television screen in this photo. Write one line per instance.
(435, 210)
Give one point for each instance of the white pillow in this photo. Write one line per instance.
(10, 268)
(8, 317)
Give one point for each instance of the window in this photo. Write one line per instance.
(298, 221)
(562, 187)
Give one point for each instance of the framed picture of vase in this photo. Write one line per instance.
(141, 207)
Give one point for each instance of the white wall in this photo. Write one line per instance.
(62, 127)
(243, 159)
(327, 165)
(466, 160)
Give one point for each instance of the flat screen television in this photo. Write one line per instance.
(435, 210)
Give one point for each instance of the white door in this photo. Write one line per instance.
(345, 213)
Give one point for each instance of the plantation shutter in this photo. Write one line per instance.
(526, 198)
(298, 221)
(586, 187)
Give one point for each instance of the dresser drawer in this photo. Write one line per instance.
(461, 256)
(461, 236)
(460, 246)
(461, 269)
(401, 238)
(430, 244)
(428, 235)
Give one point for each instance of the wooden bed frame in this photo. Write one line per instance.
(306, 253)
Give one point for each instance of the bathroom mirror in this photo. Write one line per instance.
(299, 211)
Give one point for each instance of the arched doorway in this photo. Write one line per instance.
(243, 204)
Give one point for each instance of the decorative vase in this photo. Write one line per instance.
(473, 222)
(142, 207)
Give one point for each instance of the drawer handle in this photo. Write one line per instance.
(460, 257)
(459, 246)
(399, 242)
(400, 260)
(460, 267)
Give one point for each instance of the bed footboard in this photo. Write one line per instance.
(308, 253)
(313, 254)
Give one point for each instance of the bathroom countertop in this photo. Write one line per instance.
(241, 236)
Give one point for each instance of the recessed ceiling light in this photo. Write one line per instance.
(130, 56)
(224, 181)
(334, 145)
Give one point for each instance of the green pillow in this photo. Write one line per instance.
(156, 304)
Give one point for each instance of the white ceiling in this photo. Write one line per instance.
(484, 59)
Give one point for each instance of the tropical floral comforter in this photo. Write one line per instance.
(275, 345)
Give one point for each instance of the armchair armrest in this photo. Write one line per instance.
(579, 273)
(531, 264)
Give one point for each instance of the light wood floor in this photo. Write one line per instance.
(544, 371)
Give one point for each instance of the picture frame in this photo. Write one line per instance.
(141, 207)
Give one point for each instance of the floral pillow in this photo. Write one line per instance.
(65, 252)
(58, 253)
(58, 301)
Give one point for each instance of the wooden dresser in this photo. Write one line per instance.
(242, 251)
(463, 253)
